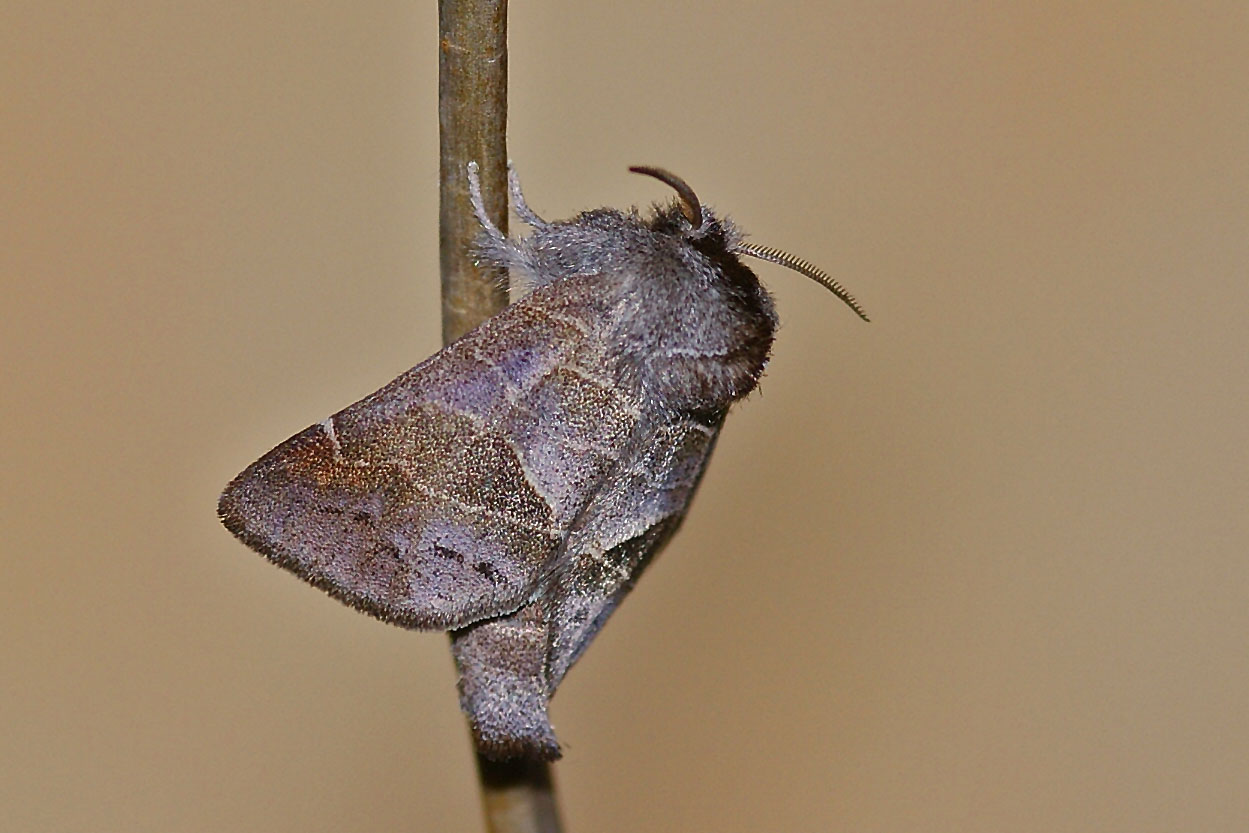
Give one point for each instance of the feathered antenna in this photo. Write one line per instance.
(799, 265)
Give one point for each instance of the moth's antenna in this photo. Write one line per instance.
(799, 265)
(690, 206)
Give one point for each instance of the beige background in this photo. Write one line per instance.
(977, 566)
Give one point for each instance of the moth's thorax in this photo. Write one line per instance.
(689, 324)
(696, 326)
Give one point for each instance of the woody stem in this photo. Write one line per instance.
(518, 796)
(472, 119)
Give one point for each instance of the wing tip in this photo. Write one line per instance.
(238, 513)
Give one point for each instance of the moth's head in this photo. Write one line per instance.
(688, 218)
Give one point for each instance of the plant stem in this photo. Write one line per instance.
(472, 119)
(518, 796)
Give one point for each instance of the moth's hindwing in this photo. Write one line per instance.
(444, 497)
(511, 666)
(628, 521)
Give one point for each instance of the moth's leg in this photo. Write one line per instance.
(503, 684)
(523, 210)
(479, 206)
(493, 246)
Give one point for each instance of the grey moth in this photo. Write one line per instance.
(512, 487)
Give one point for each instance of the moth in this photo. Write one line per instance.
(512, 487)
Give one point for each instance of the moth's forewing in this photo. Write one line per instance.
(442, 498)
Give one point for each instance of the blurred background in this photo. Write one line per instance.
(977, 566)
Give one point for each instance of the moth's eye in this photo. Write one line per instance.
(709, 229)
